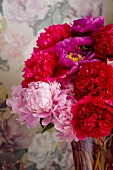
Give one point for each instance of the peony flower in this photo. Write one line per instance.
(62, 114)
(66, 132)
(64, 74)
(92, 118)
(40, 66)
(19, 106)
(34, 102)
(86, 25)
(94, 79)
(74, 52)
(52, 35)
(25, 11)
(63, 106)
(103, 42)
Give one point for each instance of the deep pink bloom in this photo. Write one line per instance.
(40, 66)
(74, 51)
(52, 35)
(86, 25)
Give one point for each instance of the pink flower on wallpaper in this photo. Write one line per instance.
(15, 40)
(25, 10)
(83, 7)
(13, 135)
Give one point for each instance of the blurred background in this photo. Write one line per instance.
(21, 21)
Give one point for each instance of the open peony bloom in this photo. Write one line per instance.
(34, 102)
(42, 100)
(52, 35)
(74, 52)
(92, 118)
(19, 106)
(40, 66)
(95, 79)
(86, 25)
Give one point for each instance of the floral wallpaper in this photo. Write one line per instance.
(21, 21)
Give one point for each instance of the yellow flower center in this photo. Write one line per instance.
(75, 59)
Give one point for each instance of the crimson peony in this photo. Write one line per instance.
(103, 42)
(52, 35)
(94, 79)
(92, 118)
(40, 66)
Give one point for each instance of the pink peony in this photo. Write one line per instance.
(66, 132)
(34, 102)
(62, 116)
(19, 106)
(47, 101)
(63, 107)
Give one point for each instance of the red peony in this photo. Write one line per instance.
(103, 42)
(52, 35)
(92, 118)
(94, 79)
(40, 66)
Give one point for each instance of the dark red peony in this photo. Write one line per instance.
(103, 42)
(52, 35)
(94, 79)
(92, 118)
(40, 66)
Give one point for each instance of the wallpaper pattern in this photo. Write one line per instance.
(21, 21)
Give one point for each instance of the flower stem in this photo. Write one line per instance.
(83, 161)
(97, 161)
(88, 160)
(102, 157)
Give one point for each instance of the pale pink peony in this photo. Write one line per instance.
(62, 108)
(62, 114)
(66, 132)
(19, 106)
(25, 10)
(40, 97)
(45, 100)
(34, 102)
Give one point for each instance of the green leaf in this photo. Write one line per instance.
(49, 126)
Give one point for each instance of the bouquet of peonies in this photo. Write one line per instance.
(68, 81)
